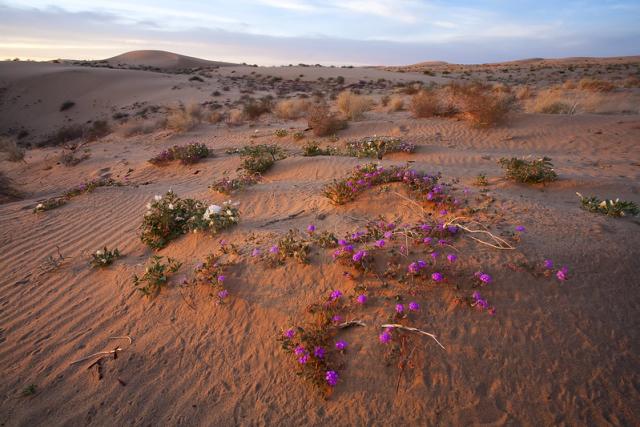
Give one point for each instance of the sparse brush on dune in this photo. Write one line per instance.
(425, 104)
(596, 85)
(616, 208)
(396, 103)
(186, 154)
(353, 106)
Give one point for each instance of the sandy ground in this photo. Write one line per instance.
(554, 354)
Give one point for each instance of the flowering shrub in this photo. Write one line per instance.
(313, 347)
(609, 207)
(48, 204)
(104, 257)
(423, 185)
(186, 154)
(534, 171)
(85, 187)
(378, 146)
(257, 159)
(156, 275)
(212, 273)
(312, 149)
(292, 245)
(281, 133)
(227, 185)
(169, 217)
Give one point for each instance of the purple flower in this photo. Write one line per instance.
(437, 277)
(274, 249)
(548, 264)
(289, 333)
(299, 350)
(380, 243)
(482, 303)
(348, 248)
(384, 337)
(413, 268)
(223, 294)
(484, 277)
(362, 299)
(476, 295)
(452, 257)
(199, 266)
(425, 227)
(453, 229)
(520, 228)
(421, 264)
(303, 359)
(562, 274)
(255, 252)
(336, 319)
(427, 240)
(332, 378)
(399, 308)
(414, 306)
(388, 234)
(335, 295)
(443, 212)
(357, 257)
(341, 345)
(319, 352)
(311, 228)
(434, 255)
(221, 278)
(342, 242)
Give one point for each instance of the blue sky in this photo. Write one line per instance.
(359, 32)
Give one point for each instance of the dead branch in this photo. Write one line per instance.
(410, 329)
(104, 353)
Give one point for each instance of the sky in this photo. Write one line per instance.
(328, 32)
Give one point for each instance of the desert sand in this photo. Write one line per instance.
(554, 353)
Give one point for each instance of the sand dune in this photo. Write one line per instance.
(555, 353)
(163, 60)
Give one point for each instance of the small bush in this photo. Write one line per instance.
(298, 135)
(196, 79)
(253, 109)
(610, 207)
(66, 105)
(481, 105)
(235, 117)
(322, 121)
(535, 171)
(396, 103)
(378, 146)
(10, 150)
(312, 149)
(72, 157)
(97, 130)
(7, 191)
(595, 85)
(104, 257)
(424, 104)
(65, 134)
(156, 275)
(186, 154)
(281, 133)
(229, 186)
(168, 217)
(353, 106)
(183, 119)
(291, 109)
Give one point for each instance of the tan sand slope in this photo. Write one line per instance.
(163, 60)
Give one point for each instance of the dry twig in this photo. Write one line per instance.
(410, 329)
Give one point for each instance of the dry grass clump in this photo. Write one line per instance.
(10, 150)
(183, 119)
(353, 106)
(253, 108)
(481, 105)
(524, 92)
(322, 121)
(291, 109)
(63, 135)
(214, 117)
(235, 117)
(140, 127)
(396, 103)
(425, 104)
(552, 101)
(596, 85)
(631, 82)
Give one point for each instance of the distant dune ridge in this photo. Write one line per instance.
(164, 60)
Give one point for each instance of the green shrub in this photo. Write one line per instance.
(534, 171)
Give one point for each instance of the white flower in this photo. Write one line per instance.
(214, 209)
(170, 206)
(148, 205)
(603, 204)
(99, 252)
(40, 206)
(229, 212)
(157, 198)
